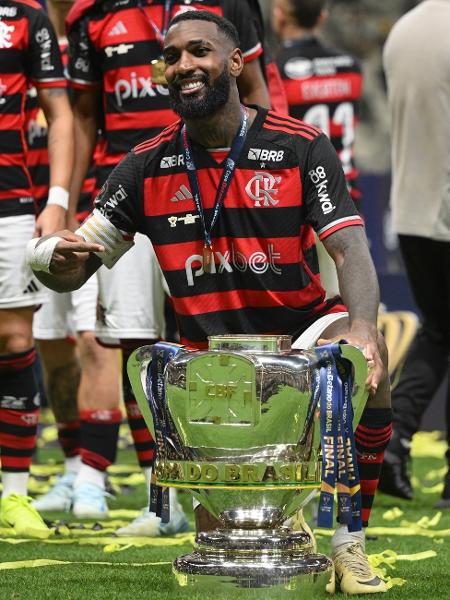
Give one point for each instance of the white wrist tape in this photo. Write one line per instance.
(99, 230)
(58, 195)
(38, 257)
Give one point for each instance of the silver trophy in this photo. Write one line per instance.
(238, 426)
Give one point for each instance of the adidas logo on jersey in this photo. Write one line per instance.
(182, 194)
(118, 29)
(31, 288)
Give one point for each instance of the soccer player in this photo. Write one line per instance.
(28, 55)
(323, 86)
(81, 377)
(112, 46)
(246, 263)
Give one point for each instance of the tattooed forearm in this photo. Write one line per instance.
(357, 277)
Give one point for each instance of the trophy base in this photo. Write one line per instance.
(265, 560)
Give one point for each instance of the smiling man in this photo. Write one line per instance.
(230, 196)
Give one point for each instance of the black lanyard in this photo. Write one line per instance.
(160, 34)
(225, 180)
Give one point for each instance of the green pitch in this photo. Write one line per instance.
(84, 561)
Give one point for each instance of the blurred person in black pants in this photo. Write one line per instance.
(417, 65)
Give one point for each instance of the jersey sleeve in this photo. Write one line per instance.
(327, 203)
(115, 218)
(44, 63)
(238, 12)
(120, 199)
(83, 68)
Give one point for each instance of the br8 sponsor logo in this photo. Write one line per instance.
(265, 154)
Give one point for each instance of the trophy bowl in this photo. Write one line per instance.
(238, 425)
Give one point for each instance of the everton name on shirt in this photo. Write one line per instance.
(323, 86)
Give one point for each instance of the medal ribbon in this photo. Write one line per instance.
(339, 467)
(160, 34)
(225, 180)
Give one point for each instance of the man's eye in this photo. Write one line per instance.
(169, 59)
(201, 51)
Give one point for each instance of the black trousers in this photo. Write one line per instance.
(427, 264)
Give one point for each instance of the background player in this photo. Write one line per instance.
(81, 377)
(323, 86)
(29, 55)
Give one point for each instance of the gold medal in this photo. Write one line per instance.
(158, 68)
(208, 259)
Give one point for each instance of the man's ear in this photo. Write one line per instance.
(236, 62)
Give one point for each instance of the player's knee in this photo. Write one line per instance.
(16, 331)
(92, 354)
(16, 342)
(88, 347)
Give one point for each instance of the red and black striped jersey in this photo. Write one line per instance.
(112, 43)
(323, 87)
(278, 100)
(29, 55)
(288, 182)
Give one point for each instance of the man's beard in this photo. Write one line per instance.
(214, 97)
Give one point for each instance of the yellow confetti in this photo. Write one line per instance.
(102, 540)
(43, 562)
(392, 514)
(389, 557)
(436, 474)
(131, 480)
(428, 444)
(426, 522)
(116, 548)
(395, 581)
(123, 513)
(417, 556)
(434, 489)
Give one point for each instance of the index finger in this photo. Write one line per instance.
(64, 247)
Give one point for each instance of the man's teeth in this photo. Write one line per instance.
(191, 86)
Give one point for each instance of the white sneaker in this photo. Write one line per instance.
(89, 501)
(352, 571)
(59, 497)
(178, 522)
(149, 525)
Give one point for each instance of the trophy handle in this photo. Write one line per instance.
(360, 372)
(137, 367)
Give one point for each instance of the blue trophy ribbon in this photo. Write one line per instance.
(339, 467)
(355, 523)
(162, 353)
